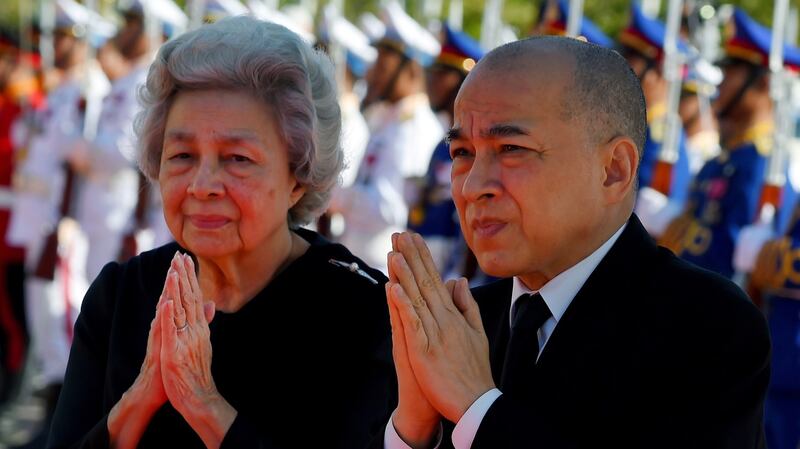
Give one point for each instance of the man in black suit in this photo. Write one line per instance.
(595, 337)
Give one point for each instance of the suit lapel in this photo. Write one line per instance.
(590, 321)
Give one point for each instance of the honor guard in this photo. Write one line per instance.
(115, 205)
(725, 195)
(775, 279)
(698, 88)
(218, 9)
(43, 203)
(642, 44)
(553, 17)
(352, 54)
(13, 330)
(350, 48)
(296, 18)
(434, 215)
(403, 134)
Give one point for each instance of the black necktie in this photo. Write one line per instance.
(529, 314)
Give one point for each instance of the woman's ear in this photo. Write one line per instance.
(621, 161)
(298, 190)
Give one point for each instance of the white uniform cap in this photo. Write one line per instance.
(170, 15)
(218, 9)
(80, 20)
(406, 36)
(263, 12)
(372, 26)
(339, 30)
(701, 76)
(300, 16)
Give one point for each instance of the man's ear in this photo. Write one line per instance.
(621, 161)
(763, 82)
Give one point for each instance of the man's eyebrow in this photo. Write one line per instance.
(453, 134)
(504, 130)
(501, 130)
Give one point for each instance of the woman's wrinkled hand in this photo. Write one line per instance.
(186, 349)
(186, 355)
(131, 415)
(149, 383)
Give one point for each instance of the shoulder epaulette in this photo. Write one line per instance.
(353, 268)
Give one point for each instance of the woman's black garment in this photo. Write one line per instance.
(306, 363)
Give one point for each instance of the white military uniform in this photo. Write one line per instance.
(53, 306)
(350, 48)
(375, 206)
(108, 196)
(403, 137)
(355, 137)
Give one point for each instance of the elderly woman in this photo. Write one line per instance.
(248, 331)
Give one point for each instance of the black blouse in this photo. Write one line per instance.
(306, 363)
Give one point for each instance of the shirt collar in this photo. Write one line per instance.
(559, 292)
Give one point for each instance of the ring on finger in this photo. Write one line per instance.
(183, 328)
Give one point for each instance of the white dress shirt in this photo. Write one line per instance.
(558, 294)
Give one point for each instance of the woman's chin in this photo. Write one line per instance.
(209, 247)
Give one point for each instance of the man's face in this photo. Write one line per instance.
(380, 74)
(526, 181)
(689, 108)
(7, 64)
(131, 39)
(735, 75)
(64, 46)
(442, 84)
(653, 84)
(638, 64)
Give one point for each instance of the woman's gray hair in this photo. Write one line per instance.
(275, 65)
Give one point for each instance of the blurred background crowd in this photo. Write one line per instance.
(718, 177)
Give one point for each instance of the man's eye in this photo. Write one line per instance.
(512, 148)
(458, 152)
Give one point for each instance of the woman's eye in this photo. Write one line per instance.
(239, 158)
(180, 156)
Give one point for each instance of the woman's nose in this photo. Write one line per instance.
(207, 180)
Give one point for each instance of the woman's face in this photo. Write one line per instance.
(224, 175)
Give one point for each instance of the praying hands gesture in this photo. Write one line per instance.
(440, 349)
(177, 366)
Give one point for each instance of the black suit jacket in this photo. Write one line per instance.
(653, 352)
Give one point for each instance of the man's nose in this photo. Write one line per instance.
(483, 178)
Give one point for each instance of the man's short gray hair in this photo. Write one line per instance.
(605, 96)
(274, 65)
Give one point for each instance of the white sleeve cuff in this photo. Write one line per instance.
(391, 440)
(467, 426)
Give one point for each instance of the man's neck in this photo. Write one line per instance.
(733, 128)
(400, 95)
(606, 229)
(655, 93)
